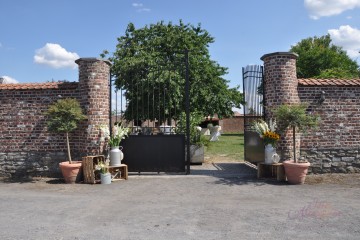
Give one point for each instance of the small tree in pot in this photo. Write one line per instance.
(63, 117)
(296, 118)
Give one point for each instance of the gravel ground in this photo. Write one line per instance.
(174, 207)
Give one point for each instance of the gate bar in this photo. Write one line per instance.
(187, 109)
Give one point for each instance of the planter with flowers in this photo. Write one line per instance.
(196, 141)
(105, 175)
(295, 118)
(116, 155)
(63, 117)
(267, 133)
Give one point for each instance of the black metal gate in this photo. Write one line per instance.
(152, 97)
(253, 110)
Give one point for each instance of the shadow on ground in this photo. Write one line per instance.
(233, 174)
(233, 181)
(32, 180)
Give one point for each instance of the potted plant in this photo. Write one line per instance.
(116, 155)
(105, 175)
(296, 118)
(63, 117)
(267, 133)
(196, 141)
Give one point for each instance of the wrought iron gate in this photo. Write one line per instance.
(152, 97)
(253, 110)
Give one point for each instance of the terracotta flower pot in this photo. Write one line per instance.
(72, 173)
(296, 172)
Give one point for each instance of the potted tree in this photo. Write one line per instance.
(63, 117)
(295, 118)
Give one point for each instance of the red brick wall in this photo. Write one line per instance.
(232, 125)
(26, 147)
(339, 113)
(94, 97)
(335, 145)
(22, 119)
(280, 87)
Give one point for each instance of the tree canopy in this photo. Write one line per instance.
(319, 58)
(149, 63)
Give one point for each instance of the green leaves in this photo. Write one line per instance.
(319, 58)
(150, 59)
(64, 115)
(294, 116)
(195, 119)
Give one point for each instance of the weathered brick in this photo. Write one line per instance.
(336, 141)
(23, 123)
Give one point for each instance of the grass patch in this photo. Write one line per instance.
(230, 147)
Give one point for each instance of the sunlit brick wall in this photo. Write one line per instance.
(335, 145)
(280, 87)
(26, 147)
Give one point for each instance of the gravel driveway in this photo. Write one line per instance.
(214, 206)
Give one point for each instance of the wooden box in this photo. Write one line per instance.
(275, 170)
(119, 172)
(88, 163)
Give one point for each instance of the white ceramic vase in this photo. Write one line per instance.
(269, 154)
(116, 155)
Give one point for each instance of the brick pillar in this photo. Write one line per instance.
(94, 75)
(280, 87)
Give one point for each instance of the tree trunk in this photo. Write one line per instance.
(68, 148)
(294, 144)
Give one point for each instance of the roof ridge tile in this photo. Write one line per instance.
(44, 85)
(329, 81)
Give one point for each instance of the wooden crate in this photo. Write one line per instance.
(119, 172)
(275, 170)
(88, 164)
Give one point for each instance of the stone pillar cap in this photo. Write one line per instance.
(89, 59)
(280, 54)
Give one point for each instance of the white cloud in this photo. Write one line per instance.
(323, 8)
(7, 79)
(348, 38)
(137, 4)
(140, 7)
(144, 10)
(55, 56)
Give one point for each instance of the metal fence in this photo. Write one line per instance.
(152, 95)
(253, 89)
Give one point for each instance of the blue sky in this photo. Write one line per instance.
(40, 39)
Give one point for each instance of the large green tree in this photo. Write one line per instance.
(149, 63)
(319, 58)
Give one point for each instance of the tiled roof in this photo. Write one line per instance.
(329, 82)
(47, 85)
